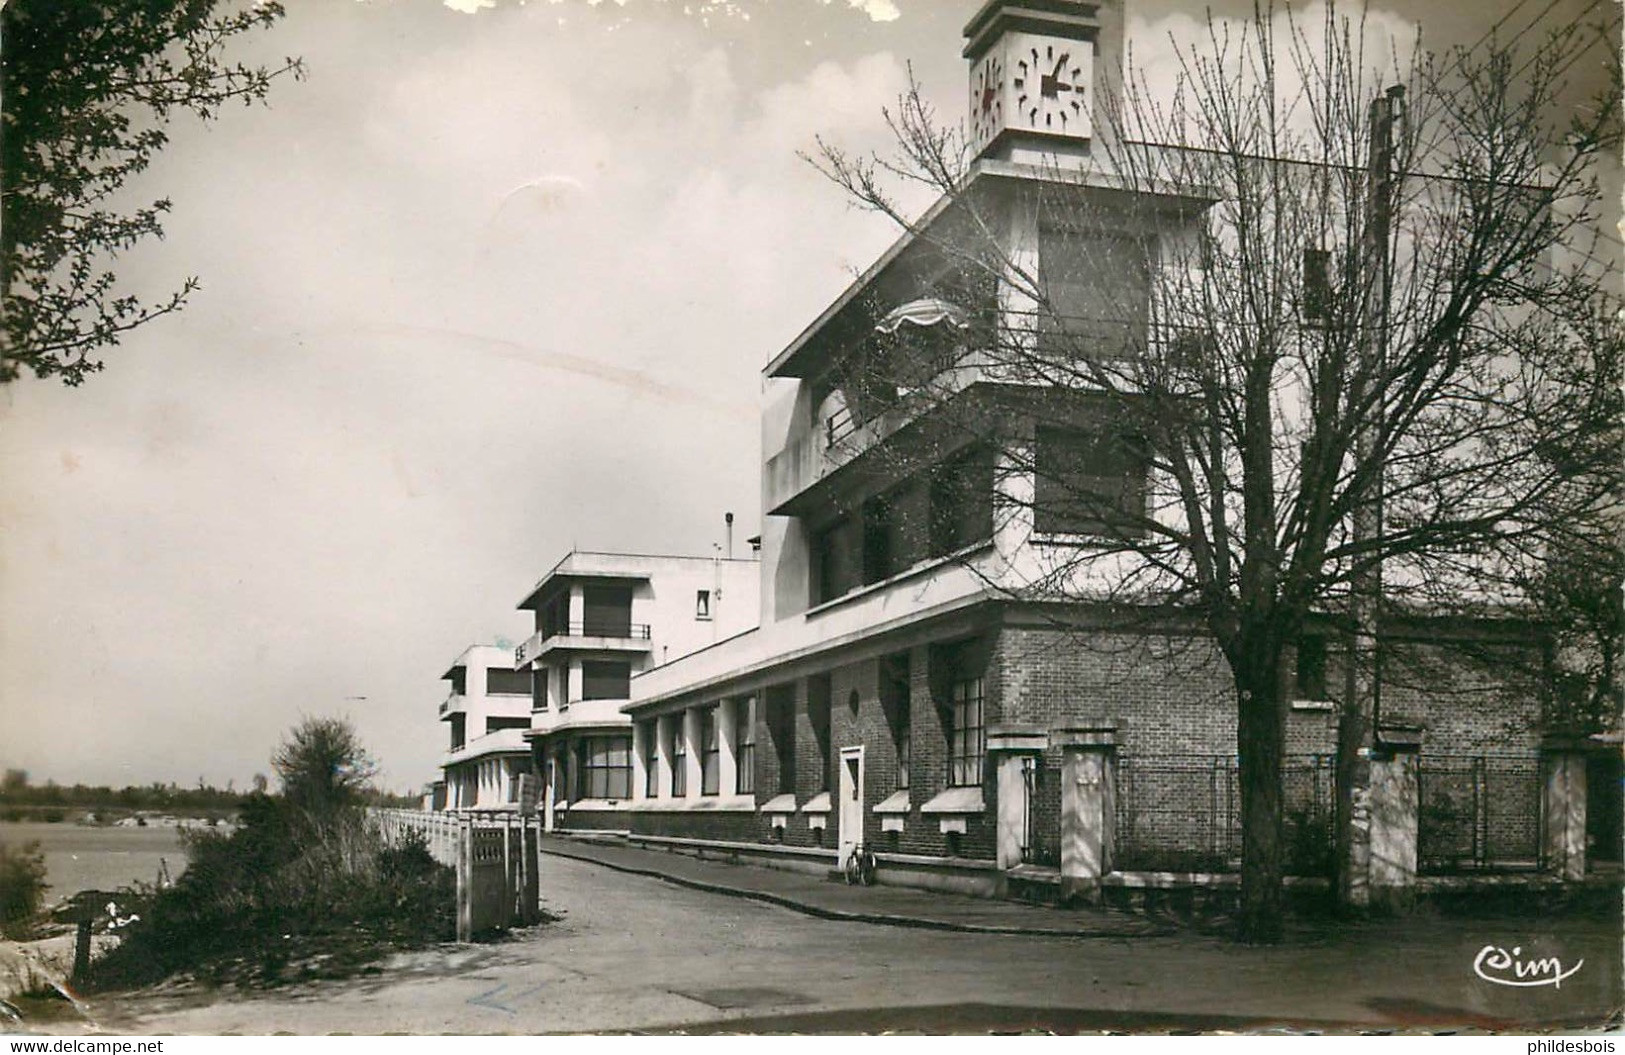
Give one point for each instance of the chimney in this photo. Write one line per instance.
(728, 519)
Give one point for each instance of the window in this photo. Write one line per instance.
(604, 770)
(818, 705)
(837, 563)
(781, 726)
(710, 753)
(500, 682)
(678, 753)
(745, 745)
(553, 614)
(894, 701)
(967, 738)
(1099, 292)
(606, 611)
(702, 604)
(894, 530)
(1089, 483)
(497, 724)
(1317, 286)
(961, 502)
(459, 680)
(1311, 667)
(651, 759)
(605, 681)
(458, 734)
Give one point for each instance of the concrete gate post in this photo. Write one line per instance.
(1088, 806)
(465, 879)
(1395, 808)
(1563, 807)
(1008, 748)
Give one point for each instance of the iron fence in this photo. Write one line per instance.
(1041, 830)
(1183, 813)
(1479, 812)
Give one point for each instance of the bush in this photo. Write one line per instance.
(287, 896)
(22, 887)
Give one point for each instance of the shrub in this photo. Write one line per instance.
(287, 895)
(22, 887)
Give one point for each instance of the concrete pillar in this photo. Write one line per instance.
(1008, 749)
(640, 759)
(689, 729)
(1394, 807)
(1563, 808)
(1088, 805)
(727, 755)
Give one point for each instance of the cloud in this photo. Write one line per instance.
(877, 10)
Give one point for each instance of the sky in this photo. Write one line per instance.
(496, 280)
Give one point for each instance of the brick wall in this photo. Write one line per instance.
(594, 820)
(698, 824)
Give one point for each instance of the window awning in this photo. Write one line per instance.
(925, 313)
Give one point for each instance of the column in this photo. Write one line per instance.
(728, 755)
(640, 768)
(1010, 748)
(1563, 807)
(689, 729)
(1088, 806)
(1394, 805)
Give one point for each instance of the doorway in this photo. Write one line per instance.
(849, 815)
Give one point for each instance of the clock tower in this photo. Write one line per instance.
(1035, 67)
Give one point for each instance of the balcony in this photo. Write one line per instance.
(592, 636)
(453, 704)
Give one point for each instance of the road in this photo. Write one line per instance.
(634, 953)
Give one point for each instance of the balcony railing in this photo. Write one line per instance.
(599, 628)
(608, 628)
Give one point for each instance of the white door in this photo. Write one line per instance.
(849, 815)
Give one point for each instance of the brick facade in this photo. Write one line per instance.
(1169, 694)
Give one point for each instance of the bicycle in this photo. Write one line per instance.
(860, 866)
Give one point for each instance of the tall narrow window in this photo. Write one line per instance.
(745, 745)
(679, 756)
(967, 740)
(894, 701)
(818, 707)
(702, 604)
(651, 759)
(1311, 667)
(710, 753)
(1317, 286)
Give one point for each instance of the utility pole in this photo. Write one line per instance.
(1362, 704)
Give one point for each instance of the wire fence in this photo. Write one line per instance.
(1183, 813)
(1479, 813)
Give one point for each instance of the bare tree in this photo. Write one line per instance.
(1289, 346)
(88, 91)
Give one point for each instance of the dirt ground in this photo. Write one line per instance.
(632, 953)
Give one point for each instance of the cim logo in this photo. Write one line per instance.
(1499, 967)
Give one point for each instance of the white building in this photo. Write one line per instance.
(486, 715)
(600, 619)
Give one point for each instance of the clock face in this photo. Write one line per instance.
(987, 99)
(1050, 82)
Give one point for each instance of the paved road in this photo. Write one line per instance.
(635, 953)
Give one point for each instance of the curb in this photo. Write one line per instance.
(844, 916)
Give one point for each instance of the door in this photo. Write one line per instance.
(849, 815)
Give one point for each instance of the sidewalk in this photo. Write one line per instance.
(828, 899)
